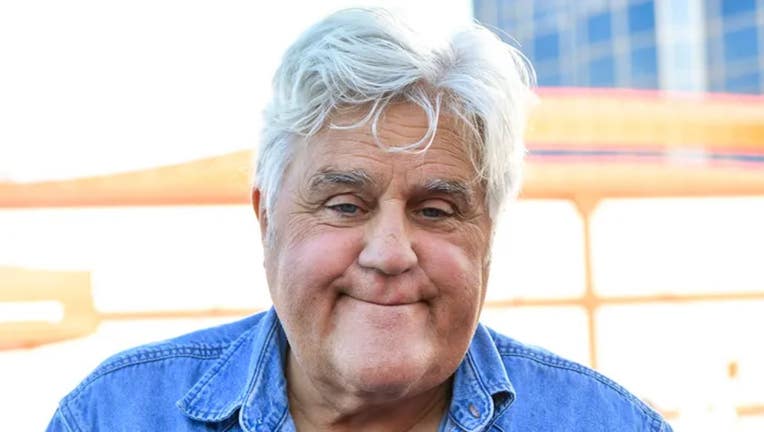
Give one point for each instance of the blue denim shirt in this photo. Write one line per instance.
(231, 378)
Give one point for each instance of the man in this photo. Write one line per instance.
(385, 159)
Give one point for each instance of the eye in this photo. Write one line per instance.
(436, 209)
(346, 209)
(346, 206)
(434, 213)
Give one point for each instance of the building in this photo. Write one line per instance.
(683, 45)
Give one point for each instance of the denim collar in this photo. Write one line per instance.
(249, 378)
(482, 389)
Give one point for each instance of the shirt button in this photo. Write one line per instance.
(474, 411)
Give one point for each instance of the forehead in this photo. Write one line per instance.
(447, 157)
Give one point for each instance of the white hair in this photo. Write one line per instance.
(368, 58)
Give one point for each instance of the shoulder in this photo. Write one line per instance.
(201, 345)
(554, 390)
(150, 378)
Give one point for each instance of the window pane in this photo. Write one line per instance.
(548, 73)
(644, 68)
(674, 345)
(645, 82)
(733, 7)
(641, 17)
(678, 246)
(550, 80)
(163, 261)
(682, 56)
(562, 330)
(643, 61)
(546, 47)
(598, 27)
(507, 16)
(740, 45)
(533, 237)
(544, 11)
(716, 86)
(748, 83)
(602, 72)
(482, 12)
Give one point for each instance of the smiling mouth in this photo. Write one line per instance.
(383, 303)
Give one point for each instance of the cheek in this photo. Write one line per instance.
(308, 264)
(458, 272)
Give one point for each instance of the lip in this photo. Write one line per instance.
(383, 303)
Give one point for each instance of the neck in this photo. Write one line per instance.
(317, 406)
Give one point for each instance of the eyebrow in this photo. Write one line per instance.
(360, 179)
(459, 190)
(327, 177)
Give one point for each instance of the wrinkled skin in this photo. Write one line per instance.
(377, 268)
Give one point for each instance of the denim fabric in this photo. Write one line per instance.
(231, 378)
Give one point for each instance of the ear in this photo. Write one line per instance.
(260, 213)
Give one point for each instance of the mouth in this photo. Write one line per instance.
(383, 302)
(381, 317)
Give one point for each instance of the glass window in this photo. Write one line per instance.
(507, 16)
(684, 56)
(644, 68)
(641, 17)
(681, 246)
(548, 73)
(478, 10)
(550, 80)
(487, 12)
(747, 83)
(679, 14)
(643, 61)
(715, 85)
(560, 329)
(546, 47)
(740, 45)
(689, 325)
(543, 11)
(85, 238)
(530, 237)
(734, 7)
(602, 72)
(598, 27)
(644, 81)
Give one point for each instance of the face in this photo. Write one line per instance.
(378, 261)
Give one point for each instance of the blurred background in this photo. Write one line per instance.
(637, 246)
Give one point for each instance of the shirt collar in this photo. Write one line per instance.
(250, 376)
(481, 389)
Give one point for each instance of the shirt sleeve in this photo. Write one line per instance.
(58, 423)
(666, 427)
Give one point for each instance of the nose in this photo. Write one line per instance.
(387, 246)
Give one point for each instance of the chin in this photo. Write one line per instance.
(387, 374)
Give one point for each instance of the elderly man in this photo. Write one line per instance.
(385, 159)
